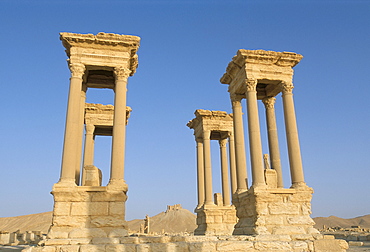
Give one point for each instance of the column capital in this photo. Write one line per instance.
(198, 139)
(77, 69)
(269, 102)
(236, 97)
(90, 128)
(286, 87)
(121, 73)
(222, 142)
(251, 84)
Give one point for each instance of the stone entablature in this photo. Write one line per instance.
(268, 67)
(103, 50)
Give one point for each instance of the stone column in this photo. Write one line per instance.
(207, 168)
(73, 125)
(294, 152)
(89, 145)
(119, 127)
(233, 176)
(240, 158)
(200, 171)
(79, 139)
(272, 135)
(224, 173)
(254, 134)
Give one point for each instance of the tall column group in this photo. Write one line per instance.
(89, 71)
(214, 125)
(261, 75)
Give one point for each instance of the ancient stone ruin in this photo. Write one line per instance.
(262, 216)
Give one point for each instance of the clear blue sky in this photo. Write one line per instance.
(185, 48)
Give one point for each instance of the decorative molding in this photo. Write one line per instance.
(223, 143)
(269, 102)
(286, 87)
(121, 73)
(77, 69)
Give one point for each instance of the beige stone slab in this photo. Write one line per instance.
(105, 240)
(87, 233)
(89, 208)
(330, 245)
(272, 245)
(92, 248)
(121, 248)
(237, 246)
(69, 248)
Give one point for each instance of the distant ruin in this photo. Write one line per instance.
(250, 215)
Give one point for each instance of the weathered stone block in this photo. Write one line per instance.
(79, 241)
(105, 240)
(89, 208)
(302, 237)
(290, 230)
(284, 208)
(274, 245)
(299, 246)
(143, 248)
(107, 221)
(330, 245)
(117, 208)
(92, 248)
(120, 248)
(62, 208)
(130, 240)
(87, 233)
(234, 246)
(300, 220)
(118, 233)
(109, 196)
(70, 221)
(69, 248)
(202, 246)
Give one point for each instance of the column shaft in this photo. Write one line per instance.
(233, 176)
(73, 125)
(224, 173)
(207, 168)
(200, 172)
(254, 134)
(89, 145)
(119, 127)
(80, 136)
(272, 135)
(294, 151)
(240, 158)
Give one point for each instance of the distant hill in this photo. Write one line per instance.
(333, 221)
(174, 220)
(32, 222)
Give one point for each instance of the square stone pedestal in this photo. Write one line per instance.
(276, 211)
(215, 220)
(87, 214)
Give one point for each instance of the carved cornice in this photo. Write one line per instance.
(251, 85)
(77, 69)
(269, 102)
(286, 87)
(121, 73)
